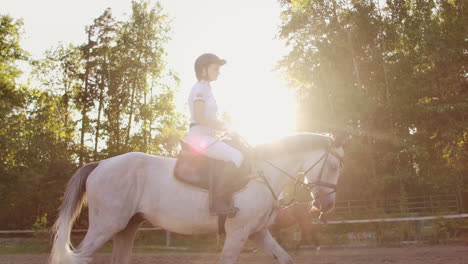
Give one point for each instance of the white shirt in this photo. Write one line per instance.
(201, 91)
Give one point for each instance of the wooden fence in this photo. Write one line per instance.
(420, 208)
(411, 206)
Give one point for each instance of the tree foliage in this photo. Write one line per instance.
(110, 95)
(394, 75)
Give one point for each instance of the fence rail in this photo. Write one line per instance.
(418, 205)
(411, 206)
(394, 219)
(73, 231)
(355, 221)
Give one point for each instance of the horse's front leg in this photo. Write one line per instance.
(235, 241)
(264, 240)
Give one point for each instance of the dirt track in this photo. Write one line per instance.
(401, 255)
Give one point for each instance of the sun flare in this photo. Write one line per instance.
(260, 111)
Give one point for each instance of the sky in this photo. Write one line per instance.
(243, 32)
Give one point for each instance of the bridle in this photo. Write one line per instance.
(319, 181)
(299, 179)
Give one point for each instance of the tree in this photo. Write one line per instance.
(394, 76)
(82, 109)
(10, 52)
(11, 104)
(31, 138)
(137, 64)
(58, 74)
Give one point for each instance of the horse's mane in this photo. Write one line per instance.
(298, 142)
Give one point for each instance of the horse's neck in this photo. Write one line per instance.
(275, 177)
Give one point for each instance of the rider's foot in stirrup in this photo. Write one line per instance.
(232, 212)
(228, 212)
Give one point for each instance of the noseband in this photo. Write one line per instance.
(319, 181)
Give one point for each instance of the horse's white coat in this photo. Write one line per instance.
(122, 186)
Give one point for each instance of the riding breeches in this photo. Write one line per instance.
(203, 141)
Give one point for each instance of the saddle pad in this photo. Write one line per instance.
(195, 169)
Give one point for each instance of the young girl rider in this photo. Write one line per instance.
(204, 125)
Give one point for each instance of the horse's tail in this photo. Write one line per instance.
(73, 200)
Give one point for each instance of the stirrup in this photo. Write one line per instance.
(230, 213)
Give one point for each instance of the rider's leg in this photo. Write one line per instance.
(221, 151)
(222, 192)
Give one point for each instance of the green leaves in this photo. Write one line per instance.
(110, 95)
(394, 76)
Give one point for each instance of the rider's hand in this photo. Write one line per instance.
(230, 131)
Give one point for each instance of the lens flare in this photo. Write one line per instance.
(261, 114)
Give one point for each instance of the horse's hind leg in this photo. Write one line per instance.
(123, 241)
(264, 240)
(95, 238)
(100, 230)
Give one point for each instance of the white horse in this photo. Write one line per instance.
(125, 190)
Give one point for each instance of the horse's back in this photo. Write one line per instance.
(137, 160)
(133, 156)
(129, 170)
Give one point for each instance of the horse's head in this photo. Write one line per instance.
(318, 160)
(320, 171)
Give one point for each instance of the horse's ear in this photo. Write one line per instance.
(341, 138)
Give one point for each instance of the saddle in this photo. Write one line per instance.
(199, 171)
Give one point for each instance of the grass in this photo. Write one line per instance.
(146, 242)
(439, 231)
(23, 246)
(41, 246)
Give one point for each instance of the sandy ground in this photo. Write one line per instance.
(442, 254)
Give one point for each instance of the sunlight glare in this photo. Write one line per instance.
(262, 109)
(260, 105)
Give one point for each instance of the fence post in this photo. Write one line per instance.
(418, 226)
(431, 204)
(459, 201)
(168, 239)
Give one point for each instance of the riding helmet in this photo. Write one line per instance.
(204, 60)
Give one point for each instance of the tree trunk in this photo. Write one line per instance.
(67, 115)
(359, 83)
(98, 122)
(84, 99)
(355, 64)
(145, 128)
(150, 126)
(129, 125)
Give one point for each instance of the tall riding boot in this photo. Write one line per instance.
(223, 189)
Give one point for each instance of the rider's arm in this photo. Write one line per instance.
(200, 118)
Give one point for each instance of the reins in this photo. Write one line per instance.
(302, 175)
(299, 179)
